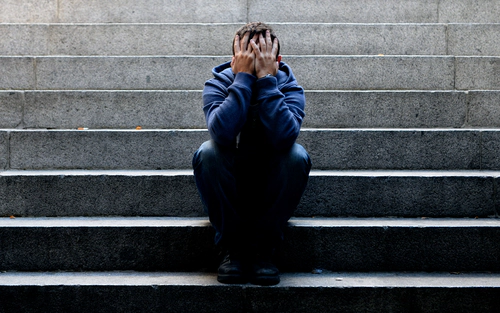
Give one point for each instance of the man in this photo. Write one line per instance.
(251, 174)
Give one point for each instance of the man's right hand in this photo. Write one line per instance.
(244, 57)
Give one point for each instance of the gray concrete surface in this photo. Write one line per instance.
(399, 193)
(173, 193)
(145, 244)
(331, 292)
(116, 39)
(172, 149)
(216, 39)
(157, 11)
(28, 11)
(478, 73)
(11, 109)
(24, 39)
(161, 11)
(99, 193)
(128, 149)
(183, 109)
(308, 280)
(345, 11)
(314, 72)
(329, 149)
(474, 39)
(120, 11)
(113, 109)
(374, 73)
(394, 149)
(362, 39)
(400, 244)
(4, 149)
(469, 11)
(165, 73)
(389, 109)
(483, 109)
(17, 73)
(343, 72)
(490, 149)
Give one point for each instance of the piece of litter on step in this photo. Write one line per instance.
(82, 128)
(12, 216)
(317, 271)
(339, 279)
(138, 128)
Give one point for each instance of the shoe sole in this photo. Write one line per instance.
(231, 279)
(265, 280)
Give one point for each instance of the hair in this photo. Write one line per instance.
(256, 28)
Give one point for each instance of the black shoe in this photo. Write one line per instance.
(231, 271)
(264, 273)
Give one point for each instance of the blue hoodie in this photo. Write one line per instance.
(266, 113)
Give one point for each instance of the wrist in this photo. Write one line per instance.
(264, 76)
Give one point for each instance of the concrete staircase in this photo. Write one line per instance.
(403, 127)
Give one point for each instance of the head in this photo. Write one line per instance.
(256, 28)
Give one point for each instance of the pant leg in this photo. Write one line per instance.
(283, 185)
(250, 198)
(215, 179)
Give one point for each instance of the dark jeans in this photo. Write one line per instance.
(250, 195)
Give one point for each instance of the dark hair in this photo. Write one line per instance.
(256, 28)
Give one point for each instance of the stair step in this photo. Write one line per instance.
(215, 39)
(143, 11)
(111, 109)
(185, 244)
(474, 39)
(329, 292)
(118, 11)
(190, 72)
(405, 149)
(150, 109)
(173, 193)
(376, 11)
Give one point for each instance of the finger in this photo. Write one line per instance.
(244, 42)
(254, 47)
(275, 47)
(254, 38)
(236, 44)
(269, 43)
(262, 43)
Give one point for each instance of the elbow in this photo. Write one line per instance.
(285, 141)
(221, 136)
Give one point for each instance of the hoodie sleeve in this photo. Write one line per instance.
(281, 110)
(226, 106)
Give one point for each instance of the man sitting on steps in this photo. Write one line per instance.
(251, 174)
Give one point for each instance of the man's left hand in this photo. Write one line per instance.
(265, 55)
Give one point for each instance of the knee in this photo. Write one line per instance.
(204, 154)
(210, 153)
(298, 158)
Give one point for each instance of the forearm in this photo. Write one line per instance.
(226, 111)
(281, 113)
